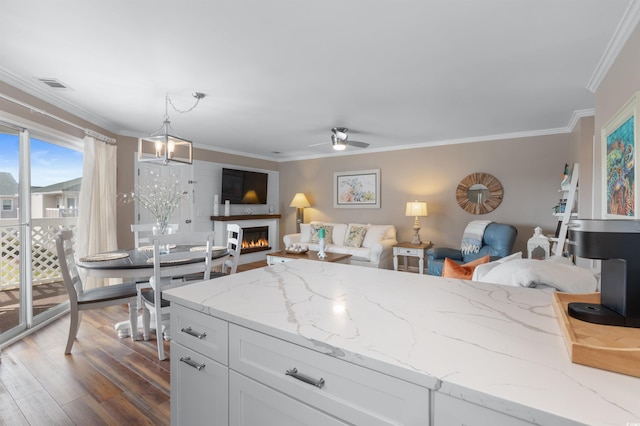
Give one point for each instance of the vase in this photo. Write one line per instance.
(321, 253)
(162, 228)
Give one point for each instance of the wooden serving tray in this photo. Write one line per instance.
(607, 347)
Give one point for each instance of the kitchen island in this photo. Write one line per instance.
(336, 344)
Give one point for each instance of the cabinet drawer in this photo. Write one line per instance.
(199, 389)
(273, 260)
(202, 333)
(349, 392)
(449, 411)
(409, 251)
(254, 404)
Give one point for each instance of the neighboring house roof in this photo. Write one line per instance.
(72, 185)
(8, 185)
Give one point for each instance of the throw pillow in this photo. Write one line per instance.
(482, 270)
(553, 273)
(375, 234)
(452, 270)
(514, 256)
(355, 235)
(315, 228)
(305, 232)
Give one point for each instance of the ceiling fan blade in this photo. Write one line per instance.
(318, 144)
(358, 144)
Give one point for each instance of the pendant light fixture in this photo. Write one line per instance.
(163, 147)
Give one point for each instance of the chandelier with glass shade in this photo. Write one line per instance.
(164, 147)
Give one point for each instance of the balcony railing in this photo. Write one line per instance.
(61, 212)
(44, 263)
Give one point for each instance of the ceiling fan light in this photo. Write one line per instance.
(338, 145)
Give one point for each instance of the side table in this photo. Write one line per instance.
(407, 249)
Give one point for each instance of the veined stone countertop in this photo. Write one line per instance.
(497, 346)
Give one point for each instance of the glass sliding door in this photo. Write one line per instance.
(56, 175)
(12, 230)
(39, 188)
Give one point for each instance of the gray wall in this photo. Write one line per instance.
(529, 169)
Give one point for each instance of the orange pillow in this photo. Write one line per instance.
(452, 270)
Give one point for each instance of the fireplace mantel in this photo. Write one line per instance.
(245, 217)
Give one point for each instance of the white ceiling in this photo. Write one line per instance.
(279, 74)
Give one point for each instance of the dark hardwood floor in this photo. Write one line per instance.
(104, 381)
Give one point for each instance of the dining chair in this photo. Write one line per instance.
(234, 245)
(143, 231)
(168, 272)
(95, 298)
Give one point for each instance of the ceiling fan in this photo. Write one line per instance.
(340, 140)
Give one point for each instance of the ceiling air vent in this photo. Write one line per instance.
(53, 83)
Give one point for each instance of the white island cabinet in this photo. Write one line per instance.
(274, 382)
(199, 373)
(316, 343)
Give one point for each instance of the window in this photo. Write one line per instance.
(7, 204)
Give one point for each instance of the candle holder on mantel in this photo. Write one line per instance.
(216, 205)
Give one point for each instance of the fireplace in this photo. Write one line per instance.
(268, 222)
(255, 239)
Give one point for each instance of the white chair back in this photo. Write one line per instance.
(166, 275)
(234, 244)
(201, 243)
(142, 232)
(66, 259)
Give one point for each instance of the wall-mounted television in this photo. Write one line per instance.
(244, 187)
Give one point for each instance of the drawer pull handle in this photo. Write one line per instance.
(190, 332)
(187, 360)
(294, 373)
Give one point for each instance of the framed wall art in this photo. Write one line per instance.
(358, 189)
(619, 142)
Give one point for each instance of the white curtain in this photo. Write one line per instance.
(96, 231)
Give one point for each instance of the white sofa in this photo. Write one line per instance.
(376, 250)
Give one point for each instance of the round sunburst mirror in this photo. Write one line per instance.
(479, 193)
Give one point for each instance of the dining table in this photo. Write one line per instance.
(137, 264)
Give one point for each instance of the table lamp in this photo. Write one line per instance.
(417, 209)
(299, 202)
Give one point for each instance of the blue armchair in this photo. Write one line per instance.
(497, 242)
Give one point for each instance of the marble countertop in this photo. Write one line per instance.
(497, 346)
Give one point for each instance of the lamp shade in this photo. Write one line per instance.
(416, 208)
(299, 201)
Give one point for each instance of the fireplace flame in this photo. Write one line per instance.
(261, 242)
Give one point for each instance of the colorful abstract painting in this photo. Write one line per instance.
(619, 196)
(357, 189)
(620, 170)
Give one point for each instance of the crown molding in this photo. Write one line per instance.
(42, 93)
(544, 132)
(577, 115)
(620, 36)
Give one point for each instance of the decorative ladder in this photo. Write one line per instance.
(568, 211)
